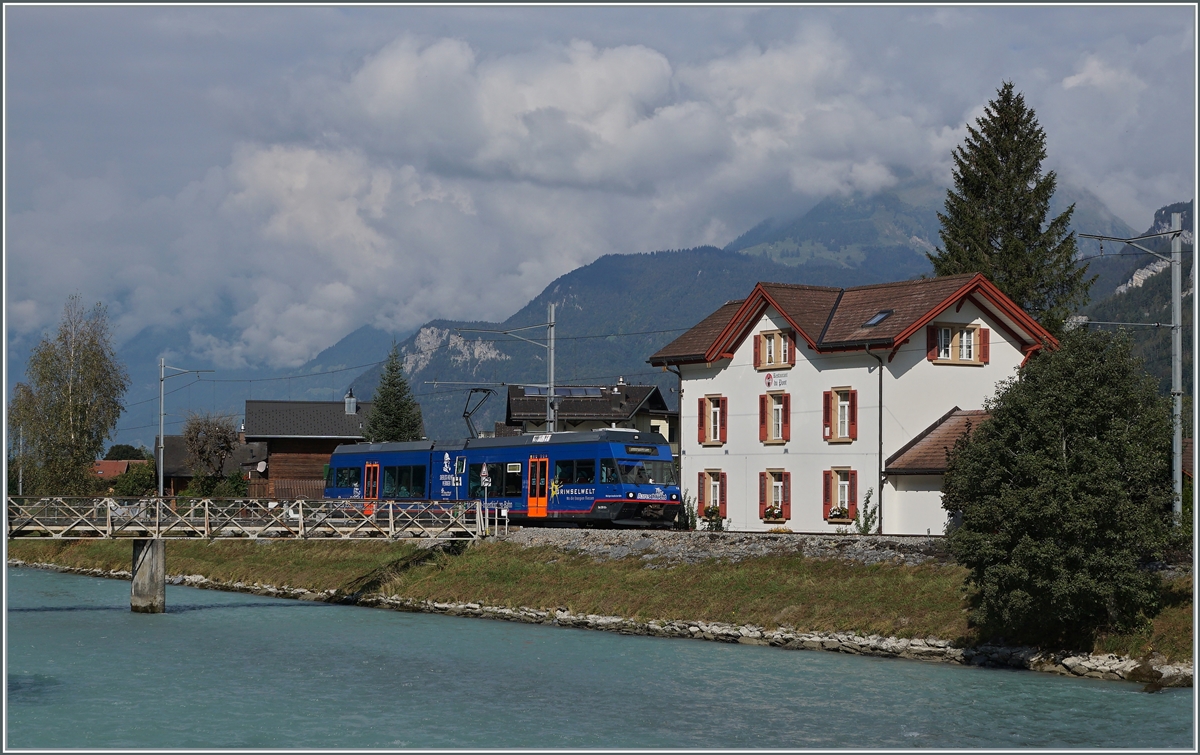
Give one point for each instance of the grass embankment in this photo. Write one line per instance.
(810, 595)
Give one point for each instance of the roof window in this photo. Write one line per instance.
(878, 317)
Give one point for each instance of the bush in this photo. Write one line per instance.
(138, 480)
(1064, 493)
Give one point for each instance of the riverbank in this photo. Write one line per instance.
(656, 586)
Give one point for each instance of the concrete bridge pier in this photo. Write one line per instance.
(149, 591)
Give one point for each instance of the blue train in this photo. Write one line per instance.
(598, 477)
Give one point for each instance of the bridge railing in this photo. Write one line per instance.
(70, 518)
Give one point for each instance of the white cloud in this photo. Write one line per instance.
(1094, 72)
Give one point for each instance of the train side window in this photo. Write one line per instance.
(585, 472)
(475, 481)
(513, 487)
(608, 471)
(403, 482)
(564, 471)
(348, 477)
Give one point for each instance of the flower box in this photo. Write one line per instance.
(839, 520)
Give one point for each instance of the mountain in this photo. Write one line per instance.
(1148, 298)
(893, 229)
(610, 316)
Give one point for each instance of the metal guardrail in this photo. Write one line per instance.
(74, 518)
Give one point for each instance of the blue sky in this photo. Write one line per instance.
(271, 178)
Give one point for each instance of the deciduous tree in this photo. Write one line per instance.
(395, 414)
(1064, 493)
(209, 439)
(69, 404)
(996, 215)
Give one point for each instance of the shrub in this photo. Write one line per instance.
(1064, 493)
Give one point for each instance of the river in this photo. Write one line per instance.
(240, 671)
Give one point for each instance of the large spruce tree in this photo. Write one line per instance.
(996, 215)
(395, 414)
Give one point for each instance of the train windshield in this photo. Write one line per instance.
(646, 472)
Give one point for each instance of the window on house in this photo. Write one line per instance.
(774, 495)
(840, 415)
(712, 412)
(711, 491)
(774, 417)
(878, 318)
(774, 350)
(839, 494)
(959, 344)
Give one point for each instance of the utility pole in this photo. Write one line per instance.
(1176, 260)
(162, 441)
(551, 410)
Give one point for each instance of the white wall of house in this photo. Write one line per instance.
(914, 505)
(916, 392)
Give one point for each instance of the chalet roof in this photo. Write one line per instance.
(175, 462)
(926, 453)
(109, 469)
(612, 403)
(304, 419)
(834, 318)
(691, 345)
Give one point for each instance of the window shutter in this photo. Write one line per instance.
(757, 351)
(724, 413)
(722, 503)
(762, 416)
(827, 414)
(762, 495)
(931, 345)
(787, 495)
(703, 418)
(700, 495)
(985, 346)
(853, 415)
(791, 342)
(853, 504)
(787, 416)
(826, 495)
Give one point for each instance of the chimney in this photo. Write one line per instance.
(351, 402)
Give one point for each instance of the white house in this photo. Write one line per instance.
(796, 399)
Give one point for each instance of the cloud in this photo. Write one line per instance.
(394, 167)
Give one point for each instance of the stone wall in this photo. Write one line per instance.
(667, 547)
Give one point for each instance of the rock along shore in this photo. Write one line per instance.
(1154, 672)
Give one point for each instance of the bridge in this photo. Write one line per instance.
(150, 521)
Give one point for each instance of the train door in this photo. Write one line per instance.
(539, 468)
(370, 487)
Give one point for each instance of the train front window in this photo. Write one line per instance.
(646, 472)
(348, 477)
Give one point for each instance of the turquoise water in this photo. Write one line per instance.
(239, 671)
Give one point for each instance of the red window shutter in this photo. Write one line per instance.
(827, 493)
(791, 340)
(787, 416)
(853, 506)
(853, 415)
(702, 484)
(787, 495)
(757, 351)
(985, 346)
(722, 503)
(703, 411)
(762, 416)
(931, 343)
(724, 413)
(762, 495)
(827, 414)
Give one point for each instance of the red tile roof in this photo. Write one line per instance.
(110, 469)
(926, 453)
(834, 318)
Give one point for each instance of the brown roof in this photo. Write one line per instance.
(926, 453)
(109, 469)
(305, 419)
(834, 318)
(612, 403)
(690, 346)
